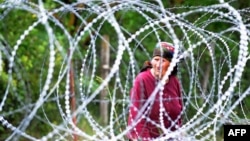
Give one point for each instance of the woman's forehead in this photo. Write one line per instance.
(159, 58)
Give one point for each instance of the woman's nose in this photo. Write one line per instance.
(158, 64)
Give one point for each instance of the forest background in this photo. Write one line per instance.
(29, 73)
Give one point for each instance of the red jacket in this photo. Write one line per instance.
(143, 87)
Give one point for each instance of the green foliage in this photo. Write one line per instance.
(203, 3)
(32, 60)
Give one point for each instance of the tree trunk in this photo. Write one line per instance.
(105, 55)
(207, 74)
(73, 98)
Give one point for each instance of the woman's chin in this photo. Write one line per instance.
(157, 76)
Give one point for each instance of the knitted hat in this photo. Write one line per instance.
(165, 50)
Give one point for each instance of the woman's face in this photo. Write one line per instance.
(159, 66)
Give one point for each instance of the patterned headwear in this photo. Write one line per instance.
(165, 50)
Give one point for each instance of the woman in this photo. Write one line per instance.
(146, 117)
